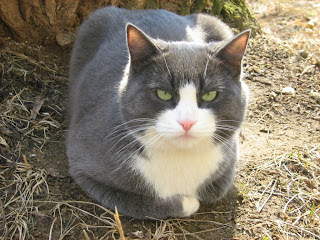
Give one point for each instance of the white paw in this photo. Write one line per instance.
(190, 205)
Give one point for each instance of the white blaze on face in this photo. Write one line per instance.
(186, 125)
(187, 109)
(180, 160)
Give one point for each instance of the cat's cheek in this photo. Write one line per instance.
(167, 125)
(206, 125)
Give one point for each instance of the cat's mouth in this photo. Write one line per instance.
(187, 136)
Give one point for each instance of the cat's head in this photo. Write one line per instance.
(182, 93)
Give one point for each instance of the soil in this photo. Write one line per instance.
(280, 141)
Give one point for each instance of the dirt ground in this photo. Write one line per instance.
(277, 187)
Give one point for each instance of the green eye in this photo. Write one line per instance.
(163, 95)
(210, 96)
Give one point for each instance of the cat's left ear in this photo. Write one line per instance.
(233, 52)
(140, 45)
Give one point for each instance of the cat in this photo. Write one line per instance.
(156, 103)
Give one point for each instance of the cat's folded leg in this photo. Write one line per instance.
(139, 206)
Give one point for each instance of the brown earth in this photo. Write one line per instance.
(277, 187)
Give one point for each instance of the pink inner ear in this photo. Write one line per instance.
(233, 52)
(139, 44)
(238, 46)
(136, 41)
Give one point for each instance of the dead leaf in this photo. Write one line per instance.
(54, 173)
(36, 108)
(3, 142)
(4, 130)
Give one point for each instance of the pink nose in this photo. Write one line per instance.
(187, 124)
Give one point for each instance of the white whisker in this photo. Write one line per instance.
(132, 155)
(165, 61)
(127, 134)
(120, 127)
(205, 70)
(135, 140)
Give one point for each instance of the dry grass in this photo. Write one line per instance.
(295, 23)
(22, 103)
(17, 204)
(281, 193)
(26, 195)
(288, 198)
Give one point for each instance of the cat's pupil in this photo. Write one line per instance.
(164, 95)
(210, 96)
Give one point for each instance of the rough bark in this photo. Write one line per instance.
(56, 21)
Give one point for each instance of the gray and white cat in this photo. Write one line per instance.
(156, 105)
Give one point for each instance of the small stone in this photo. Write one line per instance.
(273, 95)
(288, 91)
(303, 54)
(312, 23)
(263, 130)
(315, 95)
(64, 38)
(4, 130)
(138, 234)
(53, 172)
(18, 71)
(3, 142)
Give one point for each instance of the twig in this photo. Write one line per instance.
(270, 195)
(149, 234)
(4, 220)
(306, 69)
(262, 81)
(118, 224)
(300, 228)
(261, 118)
(26, 162)
(51, 228)
(85, 234)
(285, 207)
(22, 56)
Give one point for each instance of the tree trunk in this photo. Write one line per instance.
(56, 21)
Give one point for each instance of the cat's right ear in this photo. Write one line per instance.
(141, 47)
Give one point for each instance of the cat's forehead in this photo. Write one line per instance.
(188, 62)
(186, 56)
(185, 50)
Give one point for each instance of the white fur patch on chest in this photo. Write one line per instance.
(179, 171)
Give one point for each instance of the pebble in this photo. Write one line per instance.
(288, 91)
(138, 234)
(303, 54)
(273, 95)
(315, 95)
(18, 72)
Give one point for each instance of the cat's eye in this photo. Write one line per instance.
(164, 95)
(210, 96)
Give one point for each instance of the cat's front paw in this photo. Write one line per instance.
(190, 205)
